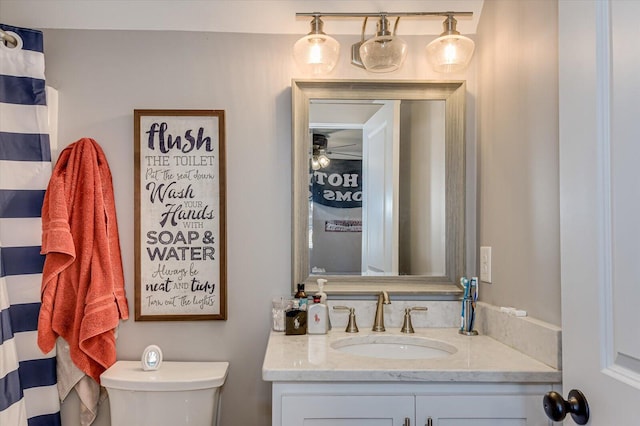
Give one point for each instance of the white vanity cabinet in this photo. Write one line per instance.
(343, 410)
(408, 404)
(490, 409)
(481, 383)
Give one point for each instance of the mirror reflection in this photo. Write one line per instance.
(377, 187)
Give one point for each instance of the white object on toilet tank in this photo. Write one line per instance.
(151, 358)
(179, 393)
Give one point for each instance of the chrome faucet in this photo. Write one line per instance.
(383, 299)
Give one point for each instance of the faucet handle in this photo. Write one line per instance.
(407, 327)
(352, 327)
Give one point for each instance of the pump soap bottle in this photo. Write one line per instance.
(318, 317)
(323, 298)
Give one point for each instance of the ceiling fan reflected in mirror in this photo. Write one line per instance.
(337, 143)
(334, 154)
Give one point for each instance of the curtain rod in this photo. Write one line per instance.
(8, 37)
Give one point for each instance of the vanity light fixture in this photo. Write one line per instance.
(385, 52)
(317, 53)
(451, 51)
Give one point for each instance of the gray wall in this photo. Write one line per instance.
(422, 188)
(518, 184)
(102, 76)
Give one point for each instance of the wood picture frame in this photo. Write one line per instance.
(180, 215)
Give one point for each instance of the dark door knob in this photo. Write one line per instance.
(557, 408)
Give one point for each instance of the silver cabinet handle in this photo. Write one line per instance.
(429, 422)
(407, 421)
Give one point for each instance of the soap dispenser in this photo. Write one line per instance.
(323, 298)
(318, 317)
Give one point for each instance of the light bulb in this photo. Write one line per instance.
(451, 51)
(316, 53)
(315, 164)
(323, 160)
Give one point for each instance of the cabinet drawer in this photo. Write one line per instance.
(481, 410)
(347, 410)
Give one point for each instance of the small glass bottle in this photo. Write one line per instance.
(302, 296)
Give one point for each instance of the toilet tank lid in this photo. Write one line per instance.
(172, 376)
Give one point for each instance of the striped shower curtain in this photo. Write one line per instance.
(28, 392)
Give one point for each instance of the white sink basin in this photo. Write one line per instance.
(394, 347)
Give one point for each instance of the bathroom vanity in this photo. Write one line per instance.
(457, 380)
(434, 376)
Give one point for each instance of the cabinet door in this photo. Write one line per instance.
(480, 410)
(347, 410)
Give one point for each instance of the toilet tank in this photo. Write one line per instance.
(178, 393)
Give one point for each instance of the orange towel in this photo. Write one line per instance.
(83, 296)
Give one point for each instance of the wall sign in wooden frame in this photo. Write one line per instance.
(180, 229)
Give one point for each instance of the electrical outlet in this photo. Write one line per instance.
(485, 264)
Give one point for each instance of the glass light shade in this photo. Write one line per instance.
(383, 53)
(450, 53)
(323, 160)
(315, 164)
(316, 53)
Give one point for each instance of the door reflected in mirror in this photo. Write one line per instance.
(377, 201)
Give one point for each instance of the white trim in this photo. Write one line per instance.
(603, 126)
(612, 361)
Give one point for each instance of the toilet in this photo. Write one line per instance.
(177, 393)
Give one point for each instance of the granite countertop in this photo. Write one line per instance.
(477, 359)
